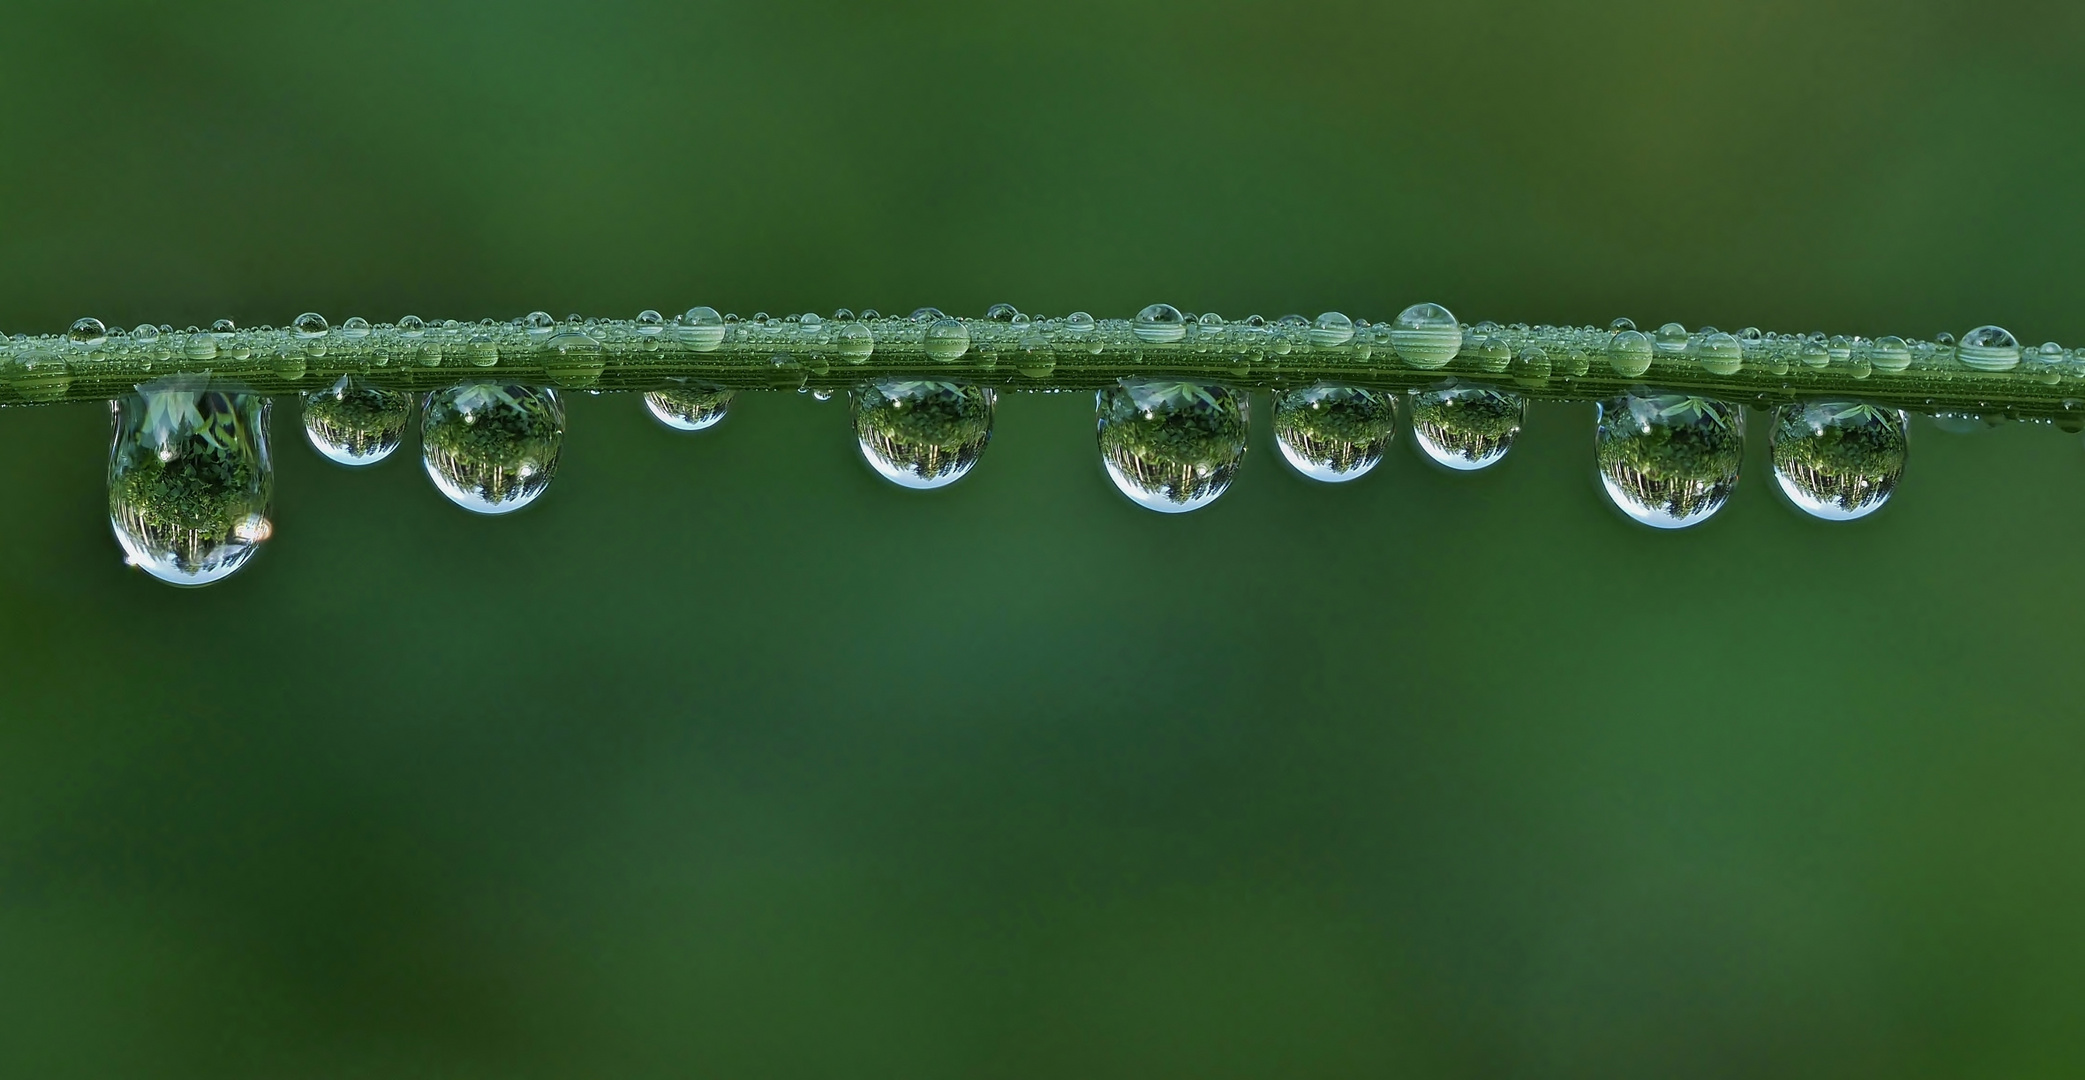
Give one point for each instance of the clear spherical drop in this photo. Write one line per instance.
(927, 314)
(355, 327)
(1334, 433)
(1078, 322)
(1159, 324)
(1426, 336)
(1671, 339)
(1490, 353)
(1669, 460)
(1171, 445)
(1718, 353)
(190, 478)
(1630, 352)
(1620, 325)
(854, 341)
(920, 433)
(1332, 330)
(946, 339)
(693, 407)
(539, 323)
(223, 329)
(356, 423)
(1989, 348)
(700, 329)
(1889, 354)
(1002, 313)
(1814, 354)
(492, 447)
(87, 333)
(650, 322)
(1839, 460)
(1466, 427)
(145, 334)
(1531, 367)
(574, 359)
(1037, 357)
(412, 326)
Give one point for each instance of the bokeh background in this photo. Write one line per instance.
(728, 758)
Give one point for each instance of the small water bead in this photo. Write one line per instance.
(1426, 336)
(574, 359)
(1838, 460)
(1669, 460)
(843, 315)
(1671, 339)
(1020, 321)
(199, 346)
(356, 423)
(1814, 354)
(1078, 322)
(39, 375)
(927, 314)
(1334, 433)
(355, 328)
(412, 326)
(701, 329)
(1002, 312)
(920, 433)
(1171, 445)
(190, 479)
(1989, 348)
(854, 341)
(223, 329)
(539, 324)
(1719, 354)
(810, 325)
(1332, 330)
(1840, 348)
(650, 323)
(946, 339)
(87, 333)
(1037, 358)
(1491, 354)
(1750, 336)
(145, 334)
(1160, 324)
(492, 447)
(481, 351)
(2050, 353)
(1531, 367)
(695, 407)
(1889, 354)
(1619, 325)
(868, 314)
(1630, 353)
(1210, 323)
(1466, 427)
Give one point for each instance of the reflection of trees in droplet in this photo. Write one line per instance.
(355, 423)
(1838, 460)
(1466, 427)
(492, 447)
(689, 408)
(1669, 460)
(1333, 433)
(1171, 445)
(190, 477)
(922, 433)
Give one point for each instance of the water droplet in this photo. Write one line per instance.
(355, 327)
(946, 339)
(650, 322)
(1889, 354)
(539, 324)
(927, 314)
(1078, 322)
(2050, 353)
(412, 326)
(1490, 354)
(356, 423)
(1002, 312)
(869, 313)
(1334, 433)
(1159, 324)
(1426, 336)
(922, 433)
(1750, 336)
(1671, 339)
(482, 351)
(1466, 427)
(1718, 353)
(491, 447)
(1814, 354)
(701, 329)
(694, 407)
(1168, 444)
(199, 346)
(1531, 368)
(145, 334)
(223, 329)
(1210, 323)
(1840, 348)
(87, 333)
(1620, 325)
(40, 375)
(1669, 460)
(809, 325)
(573, 359)
(1989, 348)
(1838, 460)
(190, 478)
(1630, 353)
(855, 342)
(843, 315)
(1943, 339)
(1332, 330)
(785, 372)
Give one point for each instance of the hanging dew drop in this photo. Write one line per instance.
(1669, 460)
(1838, 460)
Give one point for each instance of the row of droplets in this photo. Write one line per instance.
(190, 477)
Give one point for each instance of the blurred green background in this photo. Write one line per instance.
(728, 758)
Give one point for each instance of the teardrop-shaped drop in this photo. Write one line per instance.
(190, 477)
(1466, 427)
(1669, 460)
(1839, 460)
(1334, 433)
(1171, 445)
(492, 447)
(920, 433)
(694, 407)
(356, 423)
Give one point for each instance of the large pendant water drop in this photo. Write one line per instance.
(355, 423)
(1171, 445)
(190, 478)
(1334, 433)
(1669, 460)
(920, 433)
(491, 447)
(1838, 460)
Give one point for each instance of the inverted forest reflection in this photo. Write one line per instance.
(190, 474)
